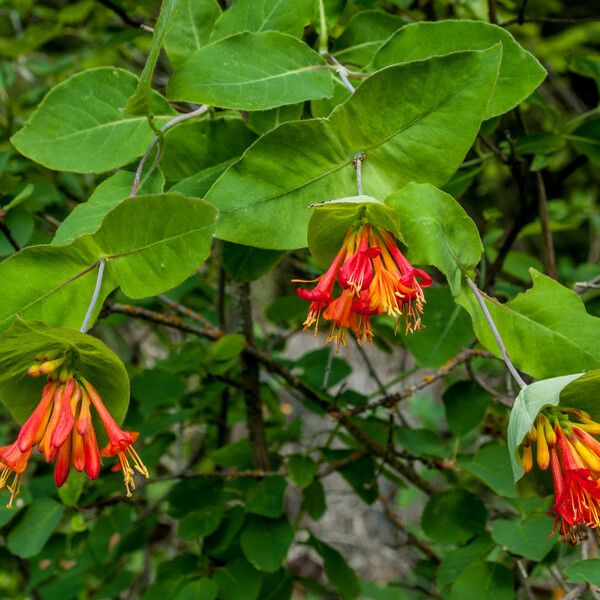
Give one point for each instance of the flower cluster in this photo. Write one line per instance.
(564, 442)
(62, 429)
(375, 278)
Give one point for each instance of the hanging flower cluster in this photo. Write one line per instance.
(61, 427)
(375, 278)
(564, 442)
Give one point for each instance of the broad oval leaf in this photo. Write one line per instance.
(530, 537)
(150, 243)
(520, 72)
(485, 581)
(30, 535)
(437, 231)
(287, 16)
(546, 330)
(265, 542)
(79, 126)
(19, 346)
(252, 71)
(87, 217)
(422, 135)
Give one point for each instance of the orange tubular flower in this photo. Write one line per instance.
(375, 278)
(61, 427)
(574, 459)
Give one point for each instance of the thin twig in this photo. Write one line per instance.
(120, 12)
(94, 300)
(492, 16)
(549, 256)
(496, 334)
(185, 311)
(8, 234)
(557, 20)
(323, 34)
(342, 72)
(174, 121)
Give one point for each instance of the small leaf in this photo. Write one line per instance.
(265, 542)
(453, 517)
(202, 589)
(238, 575)
(32, 532)
(465, 403)
(265, 498)
(530, 537)
(19, 346)
(251, 71)
(457, 560)
(491, 465)
(79, 126)
(520, 72)
(484, 581)
(302, 469)
(584, 571)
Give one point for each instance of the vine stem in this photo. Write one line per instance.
(496, 334)
(342, 72)
(134, 190)
(323, 34)
(90, 310)
(174, 121)
(357, 161)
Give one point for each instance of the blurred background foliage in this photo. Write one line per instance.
(347, 506)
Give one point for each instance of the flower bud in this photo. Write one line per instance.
(543, 455)
(527, 457)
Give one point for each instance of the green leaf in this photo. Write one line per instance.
(465, 403)
(549, 317)
(238, 575)
(583, 393)
(584, 571)
(244, 263)
(265, 498)
(302, 469)
(448, 330)
(586, 139)
(264, 15)
(457, 560)
(32, 532)
(530, 537)
(265, 542)
(190, 29)
(150, 243)
(528, 404)
(424, 135)
(71, 490)
(19, 346)
(453, 517)
(491, 465)
(227, 347)
(79, 126)
(195, 146)
(437, 231)
(313, 500)
(484, 581)
(88, 216)
(520, 72)
(338, 571)
(252, 71)
(261, 121)
(364, 35)
(422, 442)
(202, 589)
(139, 102)
(200, 523)
(20, 222)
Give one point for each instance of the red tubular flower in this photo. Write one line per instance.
(375, 279)
(62, 429)
(574, 459)
(120, 443)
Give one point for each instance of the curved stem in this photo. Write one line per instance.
(496, 334)
(92, 305)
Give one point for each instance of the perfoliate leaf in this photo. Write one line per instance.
(79, 126)
(437, 231)
(19, 346)
(252, 71)
(150, 243)
(422, 135)
(520, 72)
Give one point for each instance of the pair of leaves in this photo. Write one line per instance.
(151, 244)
